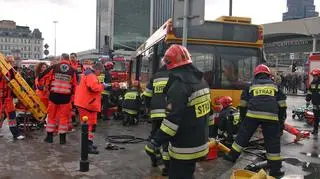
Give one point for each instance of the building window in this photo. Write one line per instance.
(29, 41)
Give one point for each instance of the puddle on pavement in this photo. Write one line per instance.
(312, 169)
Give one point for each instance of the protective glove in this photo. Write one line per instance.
(107, 86)
(153, 150)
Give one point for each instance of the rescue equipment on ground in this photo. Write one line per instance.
(300, 135)
(22, 90)
(245, 174)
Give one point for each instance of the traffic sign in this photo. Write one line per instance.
(46, 52)
(196, 12)
(46, 46)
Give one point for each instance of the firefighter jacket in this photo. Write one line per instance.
(105, 78)
(263, 100)
(88, 93)
(62, 83)
(131, 102)
(188, 106)
(314, 93)
(228, 116)
(78, 67)
(155, 97)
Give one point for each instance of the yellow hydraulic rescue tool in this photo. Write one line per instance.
(22, 90)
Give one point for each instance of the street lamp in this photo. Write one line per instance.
(230, 7)
(55, 37)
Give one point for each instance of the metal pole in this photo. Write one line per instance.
(185, 23)
(230, 7)
(84, 163)
(55, 37)
(151, 16)
(314, 45)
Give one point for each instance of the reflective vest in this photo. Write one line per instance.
(187, 124)
(131, 103)
(263, 100)
(155, 90)
(102, 79)
(62, 83)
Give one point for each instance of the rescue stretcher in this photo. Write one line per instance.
(22, 90)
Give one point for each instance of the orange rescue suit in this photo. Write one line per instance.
(62, 83)
(88, 99)
(42, 89)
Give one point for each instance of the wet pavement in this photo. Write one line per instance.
(34, 159)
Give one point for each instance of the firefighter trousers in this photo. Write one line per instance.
(316, 113)
(181, 169)
(92, 121)
(271, 134)
(58, 115)
(105, 106)
(8, 108)
(156, 123)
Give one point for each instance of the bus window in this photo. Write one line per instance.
(237, 65)
(203, 59)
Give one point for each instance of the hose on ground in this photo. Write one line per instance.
(125, 139)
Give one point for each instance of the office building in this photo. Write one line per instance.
(299, 9)
(122, 24)
(20, 41)
(125, 25)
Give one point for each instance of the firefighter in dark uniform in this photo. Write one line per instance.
(106, 78)
(131, 104)
(229, 118)
(314, 96)
(186, 124)
(262, 104)
(156, 101)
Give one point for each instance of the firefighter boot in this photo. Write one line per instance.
(92, 148)
(63, 139)
(275, 169)
(165, 170)
(49, 137)
(232, 156)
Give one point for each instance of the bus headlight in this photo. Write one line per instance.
(123, 85)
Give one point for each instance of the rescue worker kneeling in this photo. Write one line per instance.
(228, 119)
(186, 124)
(88, 100)
(262, 104)
(131, 104)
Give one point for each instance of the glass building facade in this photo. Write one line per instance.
(299, 9)
(131, 23)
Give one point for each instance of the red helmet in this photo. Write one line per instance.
(176, 56)
(135, 83)
(262, 69)
(315, 72)
(109, 65)
(226, 101)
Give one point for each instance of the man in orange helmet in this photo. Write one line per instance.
(263, 103)
(62, 86)
(188, 107)
(6, 102)
(314, 96)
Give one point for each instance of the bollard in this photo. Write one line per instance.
(84, 163)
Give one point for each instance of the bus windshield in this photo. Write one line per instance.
(226, 67)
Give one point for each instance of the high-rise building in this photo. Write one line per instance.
(162, 11)
(123, 24)
(299, 9)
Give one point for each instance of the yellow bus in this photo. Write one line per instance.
(225, 50)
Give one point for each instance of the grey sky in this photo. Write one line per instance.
(76, 27)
